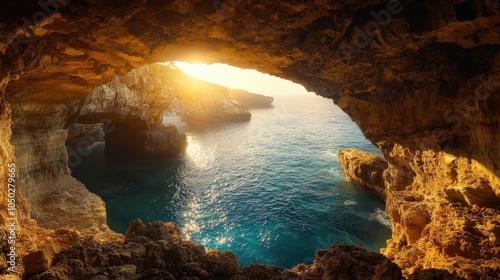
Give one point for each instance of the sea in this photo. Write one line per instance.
(269, 189)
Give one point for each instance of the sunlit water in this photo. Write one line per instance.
(269, 189)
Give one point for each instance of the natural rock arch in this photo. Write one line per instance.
(419, 78)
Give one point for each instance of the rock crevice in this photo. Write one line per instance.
(421, 83)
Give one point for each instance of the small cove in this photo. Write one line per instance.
(269, 189)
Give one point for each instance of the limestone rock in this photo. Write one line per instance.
(217, 110)
(83, 136)
(3, 262)
(344, 261)
(198, 102)
(365, 169)
(158, 141)
(260, 271)
(137, 98)
(155, 251)
(225, 262)
(37, 262)
(420, 78)
(55, 198)
(251, 100)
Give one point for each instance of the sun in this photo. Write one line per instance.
(237, 78)
(195, 70)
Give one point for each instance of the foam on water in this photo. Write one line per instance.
(350, 202)
(332, 154)
(269, 189)
(381, 216)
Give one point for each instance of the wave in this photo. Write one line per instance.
(95, 145)
(331, 153)
(350, 202)
(381, 216)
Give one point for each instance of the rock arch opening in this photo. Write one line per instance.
(406, 91)
(250, 159)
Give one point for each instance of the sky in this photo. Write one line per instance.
(237, 78)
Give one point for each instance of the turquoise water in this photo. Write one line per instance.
(269, 189)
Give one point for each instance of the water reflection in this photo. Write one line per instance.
(254, 187)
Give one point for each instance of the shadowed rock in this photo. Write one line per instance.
(365, 169)
(420, 78)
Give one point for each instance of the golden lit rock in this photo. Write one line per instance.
(420, 78)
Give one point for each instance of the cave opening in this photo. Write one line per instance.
(431, 109)
(251, 186)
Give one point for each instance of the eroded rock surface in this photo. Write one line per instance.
(153, 251)
(199, 103)
(251, 100)
(83, 136)
(53, 197)
(365, 169)
(157, 251)
(131, 107)
(420, 78)
(344, 261)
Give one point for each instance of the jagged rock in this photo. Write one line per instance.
(344, 261)
(161, 140)
(420, 78)
(83, 136)
(260, 271)
(225, 262)
(37, 262)
(198, 102)
(216, 109)
(365, 169)
(433, 274)
(155, 251)
(251, 100)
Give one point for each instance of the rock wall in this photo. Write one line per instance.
(365, 170)
(438, 213)
(251, 100)
(83, 136)
(55, 198)
(131, 107)
(158, 141)
(199, 103)
(420, 78)
(6, 153)
(157, 251)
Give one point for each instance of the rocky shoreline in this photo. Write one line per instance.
(158, 251)
(366, 170)
(420, 78)
(251, 100)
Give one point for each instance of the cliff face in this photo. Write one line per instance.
(157, 251)
(55, 198)
(198, 102)
(82, 136)
(131, 108)
(365, 169)
(420, 78)
(251, 100)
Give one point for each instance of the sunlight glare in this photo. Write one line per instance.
(202, 157)
(237, 78)
(197, 69)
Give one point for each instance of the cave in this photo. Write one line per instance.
(422, 84)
